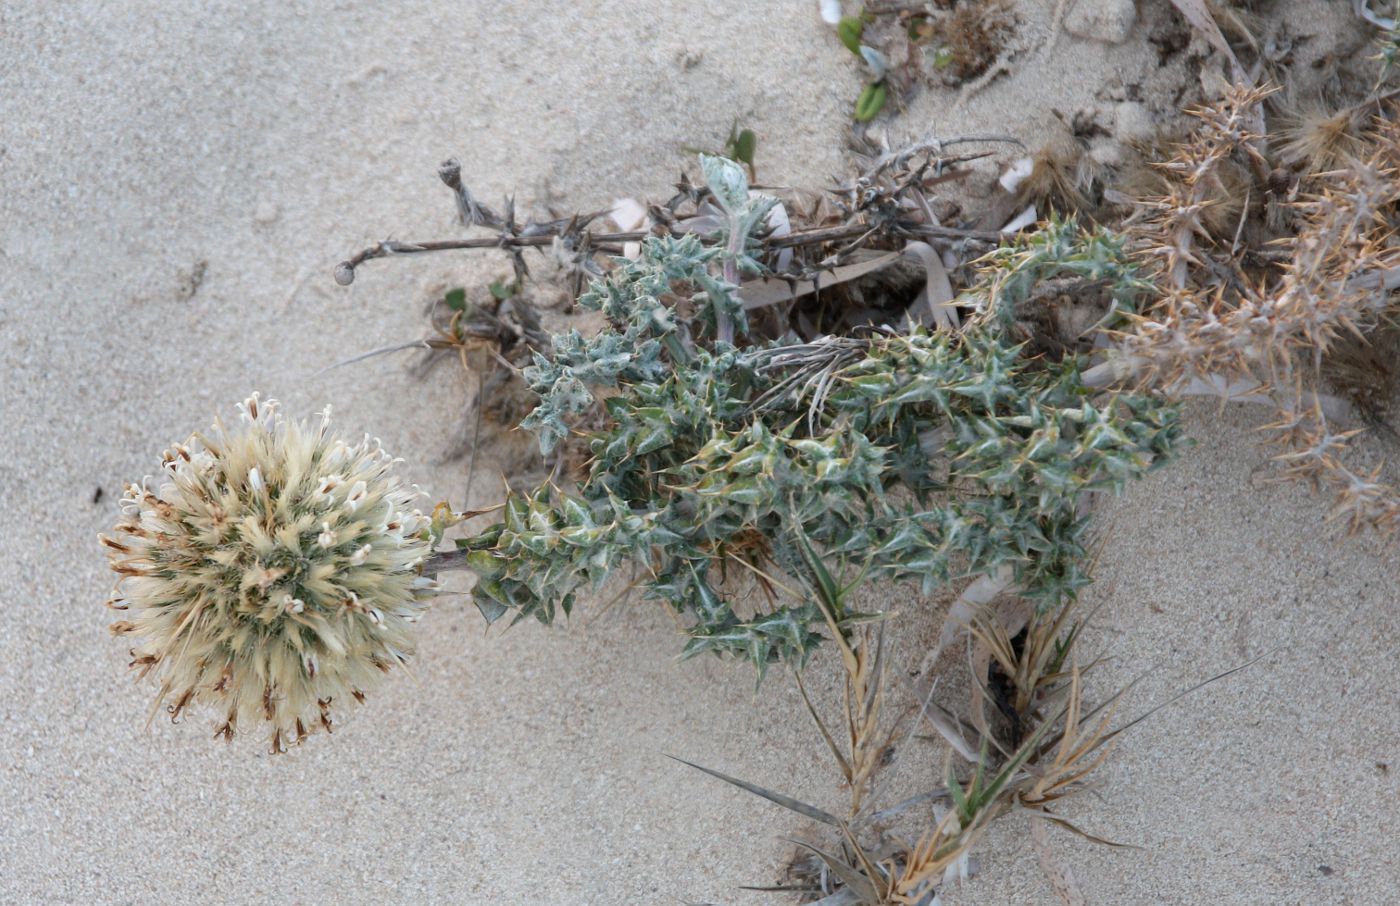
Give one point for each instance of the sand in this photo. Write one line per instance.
(176, 184)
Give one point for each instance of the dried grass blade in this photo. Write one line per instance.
(1185, 692)
(879, 789)
(1198, 14)
(899, 808)
(1041, 814)
(934, 853)
(978, 593)
(772, 290)
(855, 881)
(874, 690)
(934, 306)
(868, 866)
(841, 761)
(952, 729)
(1056, 871)
(786, 802)
(843, 897)
(383, 350)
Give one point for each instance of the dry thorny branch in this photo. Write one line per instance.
(1244, 326)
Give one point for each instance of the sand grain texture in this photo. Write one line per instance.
(176, 183)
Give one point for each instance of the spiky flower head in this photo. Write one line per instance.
(273, 574)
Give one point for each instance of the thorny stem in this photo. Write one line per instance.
(724, 324)
(345, 271)
(935, 147)
(614, 242)
(513, 238)
(445, 561)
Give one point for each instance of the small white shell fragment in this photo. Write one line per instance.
(630, 214)
(1021, 220)
(1017, 173)
(627, 213)
(877, 62)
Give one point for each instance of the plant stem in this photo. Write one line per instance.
(724, 324)
(445, 561)
(614, 242)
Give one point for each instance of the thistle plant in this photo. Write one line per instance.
(276, 571)
(911, 456)
(725, 438)
(750, 408)
(273, 574)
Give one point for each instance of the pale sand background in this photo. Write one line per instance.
(269, 140)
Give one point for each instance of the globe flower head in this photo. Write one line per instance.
(273, 574)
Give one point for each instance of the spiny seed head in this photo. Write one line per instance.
(272, 575)
(1321, 140)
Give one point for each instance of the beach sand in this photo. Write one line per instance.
(176, 185)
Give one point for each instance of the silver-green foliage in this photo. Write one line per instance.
(906, 456)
